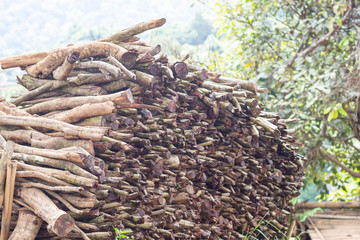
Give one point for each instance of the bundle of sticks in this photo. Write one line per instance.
(113, 134)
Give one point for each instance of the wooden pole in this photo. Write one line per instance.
(9, 195)
(27, 227)
(332, 205)
(59, 222)
(5, 158)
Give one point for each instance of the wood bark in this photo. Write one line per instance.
(8, 203)
(63, 71)
(22, 60)
(67, 129)
(62, 175)
(85, 111)
(27, 226)
(11, 109)
(44, 67)
(134, 30)
(5, 159)
(32, 83)
(53, 163)
(103, 66)
(59, 222)
(124, 96)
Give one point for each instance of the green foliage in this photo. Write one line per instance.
(123, 234)
(302, 216)
(306, 54)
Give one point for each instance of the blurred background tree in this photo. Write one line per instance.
(307, 54)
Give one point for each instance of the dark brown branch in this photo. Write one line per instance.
(337, 162)
(320, 41)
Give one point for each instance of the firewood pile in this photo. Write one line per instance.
(113, 134)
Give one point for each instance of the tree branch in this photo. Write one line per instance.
(337, 162)
(320, 41)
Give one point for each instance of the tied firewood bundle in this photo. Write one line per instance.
(113, 134)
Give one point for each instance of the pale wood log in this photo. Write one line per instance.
(59, 222)
(90, 78)
(55, 163)
(2, 142)
(5, 158)
(247, 85)
(22, 60)
(31, 83)
(61, 142)
(115, 85)
(124, 96)
(63, 71)
(11, 109)
(268, 126)
(27, 227)
(72, 156)
(33, 93)
(66, 128)
(87, 226)
(23, 136)
(92, 236)
(8, 203)
(47, 178)
(128, 73)
(99, 121)
(44, 67)
(67, 204)
(62, 175)
(51, 188)
(134, 30)
(80, 202)
(143, 79)
(104, 66)
(85, 111)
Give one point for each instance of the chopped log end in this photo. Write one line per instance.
(64, 224)
(180, 70)
(128, 59)
(73, 57)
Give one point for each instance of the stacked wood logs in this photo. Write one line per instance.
(113, 134)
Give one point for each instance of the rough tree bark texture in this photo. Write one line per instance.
(59, 222)
(44, 67)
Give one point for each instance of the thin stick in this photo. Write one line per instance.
(2, 142)
(51, 188)
(9, 195)
(291, 229)
(5, 158)
(43, 176)
(134, 30)
(122, 67)
(23, 204)
(66, 203)
(316, 229)
(81, 232)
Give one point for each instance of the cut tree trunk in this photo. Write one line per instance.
(59, 222)
(44, 67)
(27, 227)
(62, 72)
(57, 104)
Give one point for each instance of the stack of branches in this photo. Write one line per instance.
(113, 134)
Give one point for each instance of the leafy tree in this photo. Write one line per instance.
(307, 54)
